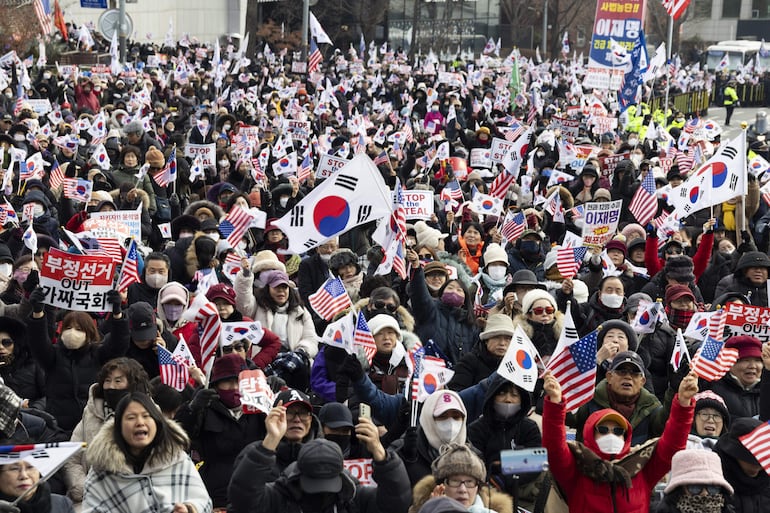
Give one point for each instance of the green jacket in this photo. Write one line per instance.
(647, 421)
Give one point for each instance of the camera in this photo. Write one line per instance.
(524, 461)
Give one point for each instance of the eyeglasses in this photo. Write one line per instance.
(6, 342)
(617, 431)
(674, 251)
(238, 347)
(540, 310)
(713, 417)
(697, 489)
(426, 256)
(379, 305)
(297, 414)
(457, 483)
(628, 372)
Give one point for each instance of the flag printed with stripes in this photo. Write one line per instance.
(168, 173)
(717, 323)
(568, 260)
(234, 226)
(42, 12)
(513, 226)
(78, 189)
(330, 299)
(314, 58)
(713, 360)
(205, 312)
(644, 204)
(172, 373)
(758, 444)
(573, 364)
(501, 183)
(129, 272)
(362, 337)
(676, 8)
(452, 190)
(56, 179)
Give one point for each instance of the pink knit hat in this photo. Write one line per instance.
(696, 466)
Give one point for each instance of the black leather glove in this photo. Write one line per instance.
(202, 399)
(36, 299)
(113, 297)
(745, 238)
(352, 368)
(410, 444)
(32, 281)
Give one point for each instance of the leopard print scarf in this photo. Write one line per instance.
(700, 503)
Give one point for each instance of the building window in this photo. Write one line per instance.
(760, 9)
(731, 9)
(702, 8)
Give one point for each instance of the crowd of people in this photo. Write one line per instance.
(467, 288)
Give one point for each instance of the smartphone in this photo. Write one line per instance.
(364, 411)
(524, 461)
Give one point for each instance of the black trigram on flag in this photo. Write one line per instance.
(310, 243)
(730, 152)
(297, 216)
(346, 182)
(364, 211)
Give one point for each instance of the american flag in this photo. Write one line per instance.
(480, 309)
(129, 272)
(363, 337)
(78, 189)
(515, 131)
(644, 204)
(56, 179)
(381, 159)
(315, 57)
(501, 183)
(109, 247)
(685, 162)
(168, 173)
(399, 214)
(235, 225)
(717, 324)
(574, 366)
(713, 360)
(676, 8)
(758, 444)
(393, 117)
(305, 169)
(399, 262)
(19, 100)
(452, 190)
(205, 312)
(568, 260)
(407, 130)
(172, 373)
(765, 191)
(330, 299)
(692, 125)
(513, 226)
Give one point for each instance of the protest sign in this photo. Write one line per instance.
(118, 224)
(298, 129)
(500, 149)
(207, 152)
(328, 165)
(609, 163)
(256, 394)
(481, 157)
(747, 320)
(362, 470)
(569, 127)
(77, 282)
(39, 106)
(418, 204)
(601, 222)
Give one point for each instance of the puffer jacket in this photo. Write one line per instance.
(589, 495)
(740, 401)
(168, 477)
(446, 325)
(488, 497)
(473, 367)
(737, 283)
(256, 487)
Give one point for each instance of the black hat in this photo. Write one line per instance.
(291, 396)
(674, 174)
(588, 169)
(443, 504)
(680, 268)
(335, 415)
(320, 464)
(753, 259)
(141, 321)
(523, 277)
(731, 444)
(14, 327)
(624, 357)
(5, 254)
(622, 326)
(185, 221)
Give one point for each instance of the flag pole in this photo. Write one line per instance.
(669, 43)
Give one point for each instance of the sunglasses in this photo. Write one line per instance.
(697, 489)
(604, 430)
(540, 310)
(674, 251)
(379, 305)
(427, 257)
(6, 342)
(233, 347)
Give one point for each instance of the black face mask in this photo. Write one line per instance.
(529, 247)
(113, 396)
(342, 440)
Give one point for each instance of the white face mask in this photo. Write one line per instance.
(18, 137)
(46, 76)
(38, 211)
(283, 201)
(226, 127)
(224, 163)
(156, 281)
(612, 300)
(325, 258)
(215, 236)
(9, 95)
(6, 269)
(243, 245)
(506, 410)
(73, 338)
(636, 159)
(633, 142)
(497, 272)
(611, 444)
(182, 235)
(448, 429)
(434, 108)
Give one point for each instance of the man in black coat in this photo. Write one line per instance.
(313, 272)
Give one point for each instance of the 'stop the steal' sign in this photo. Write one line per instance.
(77, 282)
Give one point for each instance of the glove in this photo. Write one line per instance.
(202, 399)
(32, 281)
(352, 368)
(113, 297)
(745, 238)
(409, 449)
(36, 299)
(651, 230)
(173, 200)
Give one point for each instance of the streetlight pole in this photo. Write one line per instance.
(545, 29)
(122, 36)
(305, 23)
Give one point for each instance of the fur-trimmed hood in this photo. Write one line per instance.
(195, 205)
(521, 320)
(104, 455)
(191, 258)
(492, 499)
(463, 271)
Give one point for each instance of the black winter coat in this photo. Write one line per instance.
(218, 439)
(70, 373)
(25, 376)
(740, 402)
(473, 367)
(752, 494)
(737, 282)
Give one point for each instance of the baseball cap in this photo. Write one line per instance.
(320, 464)
(335, 415)
(449, 401)
(613, 416)
(292, 396)
(141, 321)
(627, 357)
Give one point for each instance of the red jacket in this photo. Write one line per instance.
(699, 262)
(586, 495)
(268, 347)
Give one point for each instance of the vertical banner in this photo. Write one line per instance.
(620, 21)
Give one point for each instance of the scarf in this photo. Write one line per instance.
(353, 285)
(39, 501)
(472, 258)
(679, 318)
(280, 324)
(700, 503)
(624, 405)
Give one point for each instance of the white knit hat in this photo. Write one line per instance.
(495, 253)
(266, 260)
(696, 467)
(427, 236)
(534, 295)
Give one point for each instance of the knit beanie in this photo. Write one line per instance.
(533, 295)
(457, 459)
(427, 236)
(495, 253)
(708, 399)
(680, 268)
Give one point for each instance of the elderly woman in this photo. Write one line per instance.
(137, 452)
(459, 474)
(696, 484)
(22, 479)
